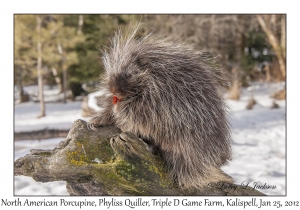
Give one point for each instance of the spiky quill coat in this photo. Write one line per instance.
(166, 93)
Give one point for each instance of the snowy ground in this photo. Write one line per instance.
(259, 143)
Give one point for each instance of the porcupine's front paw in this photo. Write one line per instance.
(97, 122)
(128, 145)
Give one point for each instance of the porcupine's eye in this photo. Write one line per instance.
(120, 87)
(116, 99)
(117, 94)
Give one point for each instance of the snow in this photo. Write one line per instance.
(92, 101)
(26, 185)
(58, 115)
(51, 93)
(259, 146)
(259, 140)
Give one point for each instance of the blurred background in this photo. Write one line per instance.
(57, 63)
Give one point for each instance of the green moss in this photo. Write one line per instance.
(77, 157)
(119, 175)
(103, 151)
(46, 154)
(86, 153)
(158, 168)
(126, 170)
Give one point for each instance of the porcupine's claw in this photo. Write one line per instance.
(127, 144)
(95, 123)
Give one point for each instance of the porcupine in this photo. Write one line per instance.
(166, 94)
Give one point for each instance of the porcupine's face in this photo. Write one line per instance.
(126, 83)
(119, 87)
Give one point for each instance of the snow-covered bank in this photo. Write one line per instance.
(259, 149)
(259, 140)
(26, 185)
(58, 115)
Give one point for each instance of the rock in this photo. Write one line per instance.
(274, 105)
(251, 103)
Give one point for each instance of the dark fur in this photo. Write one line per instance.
(172, 99)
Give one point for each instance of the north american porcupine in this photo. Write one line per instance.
(165, 93)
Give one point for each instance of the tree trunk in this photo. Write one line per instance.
(64, 70)
(80, 24)
(110, 162)
(24, 97)
(234, 91)
(20, 83)
(274, 43)
(39, 68)
(283, 37)
(40, 134)
(212, 32)
(64, 80)
(268, 74)
(57, 79)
